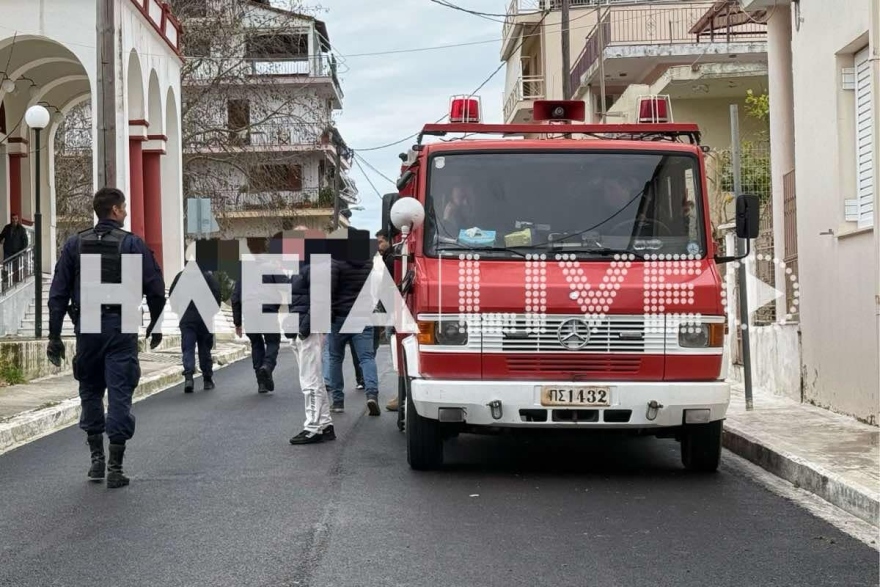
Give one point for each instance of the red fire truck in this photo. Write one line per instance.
(562, 275)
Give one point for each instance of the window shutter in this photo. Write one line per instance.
(865, 172)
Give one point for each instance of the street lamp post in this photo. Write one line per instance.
(37, 118)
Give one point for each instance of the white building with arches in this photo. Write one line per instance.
(49, 56)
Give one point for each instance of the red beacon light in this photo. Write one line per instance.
(464, 109)
(655, 110)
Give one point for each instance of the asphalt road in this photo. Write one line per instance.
(219, 497)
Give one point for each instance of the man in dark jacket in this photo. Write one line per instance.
(348, 279)
(194, 331)
(308, 347)
(264, 345)
(15, 240)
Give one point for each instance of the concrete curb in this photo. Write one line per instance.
(34, 424)
(858, 501)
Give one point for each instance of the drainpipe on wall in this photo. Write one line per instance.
(874, 41)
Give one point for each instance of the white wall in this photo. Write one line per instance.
(837, 276)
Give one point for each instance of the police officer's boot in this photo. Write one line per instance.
(261, 382)
(188, 383)
(115, 476)
(96, 445)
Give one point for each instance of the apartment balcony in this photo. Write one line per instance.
(319, 72)
(519, 100)
(639, 44)
(267, 137)
(288, 203)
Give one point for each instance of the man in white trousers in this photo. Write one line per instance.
(308, 348)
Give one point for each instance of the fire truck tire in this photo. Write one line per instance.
(701, 447)
(424, 442)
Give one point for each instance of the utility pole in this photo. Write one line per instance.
(601, 39)
(566, 52)
(106, 118)
(742, 275)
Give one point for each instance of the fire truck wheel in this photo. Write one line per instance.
(424, 443)
(701, 446)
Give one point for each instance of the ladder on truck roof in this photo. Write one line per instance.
(632, 132)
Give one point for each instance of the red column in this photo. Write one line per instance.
(153, 202)
(136, 173)
(15, 162)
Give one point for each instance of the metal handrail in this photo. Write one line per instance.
(16, 270)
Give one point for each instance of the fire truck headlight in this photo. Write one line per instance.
(450, 333)
(701, 335)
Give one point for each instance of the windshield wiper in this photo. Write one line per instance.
(599, 251)
(477, 248)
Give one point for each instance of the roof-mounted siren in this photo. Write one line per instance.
(655, 109)
(559, 111)
(465, 109)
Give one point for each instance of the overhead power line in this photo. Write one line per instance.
(442, 118)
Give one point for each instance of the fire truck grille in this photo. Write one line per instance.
(614, 334)
(575, 364)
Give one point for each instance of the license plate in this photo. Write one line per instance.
(589, 396)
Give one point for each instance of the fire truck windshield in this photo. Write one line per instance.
(588, 203)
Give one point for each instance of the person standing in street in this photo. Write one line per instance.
(308, 348)
(15, 240)
(264, 345)
(349, 275)
(107, 360)
(194, 331)
(384, 256)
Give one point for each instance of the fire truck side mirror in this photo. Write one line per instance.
(404, 179)
(748, 216)
(387, 202)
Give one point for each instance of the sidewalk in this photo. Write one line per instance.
(45, 405)
(832, 456)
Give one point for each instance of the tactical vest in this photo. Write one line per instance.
(109, 246)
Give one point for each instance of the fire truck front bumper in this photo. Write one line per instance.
(568, 404)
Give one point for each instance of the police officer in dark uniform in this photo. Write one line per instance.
(108, 360)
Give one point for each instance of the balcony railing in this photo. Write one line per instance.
(17, 269)
(658, 26)
(268, 201)
(529, 87)
(230, 69)
(272, 134)
(283, 135)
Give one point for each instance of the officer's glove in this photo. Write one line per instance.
(55, 350)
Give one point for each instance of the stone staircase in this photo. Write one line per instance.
(223, 325)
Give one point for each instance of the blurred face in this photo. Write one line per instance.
(383, 244)
(15, 220)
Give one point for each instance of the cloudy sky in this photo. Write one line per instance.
(388, 97)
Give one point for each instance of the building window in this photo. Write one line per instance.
(275, 178)
(197, 46)
(277, 46)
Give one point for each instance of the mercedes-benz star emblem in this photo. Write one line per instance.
(573, 334)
